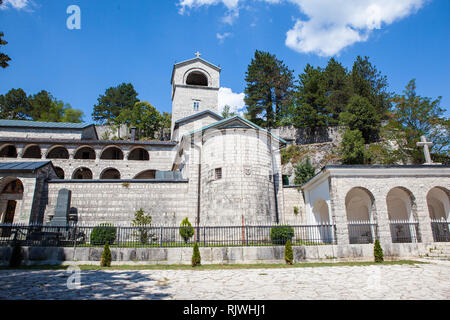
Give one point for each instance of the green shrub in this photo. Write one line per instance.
(102, 234)
(186, 230)
(281, 234)
(288, 253)
(296, 210)
(196, 259)
(304, 172)
(143, 222)
(16, 256)
(378, 252)
(106, 257)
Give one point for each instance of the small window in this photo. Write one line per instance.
(218, 173)
(285, 180)
(196, 105)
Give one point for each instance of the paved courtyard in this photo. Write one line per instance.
(424, 281)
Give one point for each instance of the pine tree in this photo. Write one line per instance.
(4, 59)
(378, 252)
(269, 89)
(352, 147)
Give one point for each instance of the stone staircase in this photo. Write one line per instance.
(439, 250)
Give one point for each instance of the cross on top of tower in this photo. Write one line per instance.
(426, 151)
(198, 54)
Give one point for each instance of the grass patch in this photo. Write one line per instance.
(221, 266)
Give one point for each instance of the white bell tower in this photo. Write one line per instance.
(195, 88)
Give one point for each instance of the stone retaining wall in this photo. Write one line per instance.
(225, 255)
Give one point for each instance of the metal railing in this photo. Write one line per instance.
(440, 230)
(166, 236)
(362, 232)
(404, 231)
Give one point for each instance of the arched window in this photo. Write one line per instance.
(58, 153)
(197, 78)
(402, 216)
(139, 154)
(360, 209)
(110, 173)
(82, 174)
(112, 153)
(9, 151)
(13, 187)
(149, 174)
(85, 153)
(32, 152)
(60, 173)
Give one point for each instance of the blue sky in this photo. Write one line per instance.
(138, 41)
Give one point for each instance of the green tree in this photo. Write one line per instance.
(378, 252)
(144, 117)
(361, 115)
(368, 82)
(142, 222)
(44, 107)
(352, 147)
(413, 116)
(288, 253)
(309, 108)
(196, 258)
(14, 105)
(304, 172)
(106, 256)
(226, 113)
(268, 92)
(113, 102)
(186, 230)
(4, 59)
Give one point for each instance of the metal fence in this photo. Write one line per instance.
(166, 236)
(404, 231)
(440, 230)
(362, 232)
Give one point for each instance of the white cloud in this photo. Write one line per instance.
(336, 24)
(16, 4)
(223, 36)
(234, 100)
(331, 25)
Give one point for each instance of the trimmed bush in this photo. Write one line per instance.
(102, 234)
(281, 234)
(186, 230)
(196, 259)
(106, 257)
(378, 252)
(16, 256)
(288, 253)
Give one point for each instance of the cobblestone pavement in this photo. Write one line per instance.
(422, 281)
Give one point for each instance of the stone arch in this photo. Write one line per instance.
(138, 154)
(110, 173)
(438, 200)
(112, 153)
(8, 151)
(361, 213)
(60, 173)
(32, 152)
(320, 211)
(82, 173)
(197, 77)
(322, 232)
(402, 213)
(57, 152)
(148, 174)
(11, 193)
(85, 153)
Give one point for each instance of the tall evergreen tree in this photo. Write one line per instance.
(269, 89)
(113, 102)
(14, 105)
(369, 83)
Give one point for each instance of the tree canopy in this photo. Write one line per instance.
(4, 59)
(16, 105)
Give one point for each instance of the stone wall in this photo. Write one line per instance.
(293, 198)
(300, 136)
(225, 255)
(116, 202)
